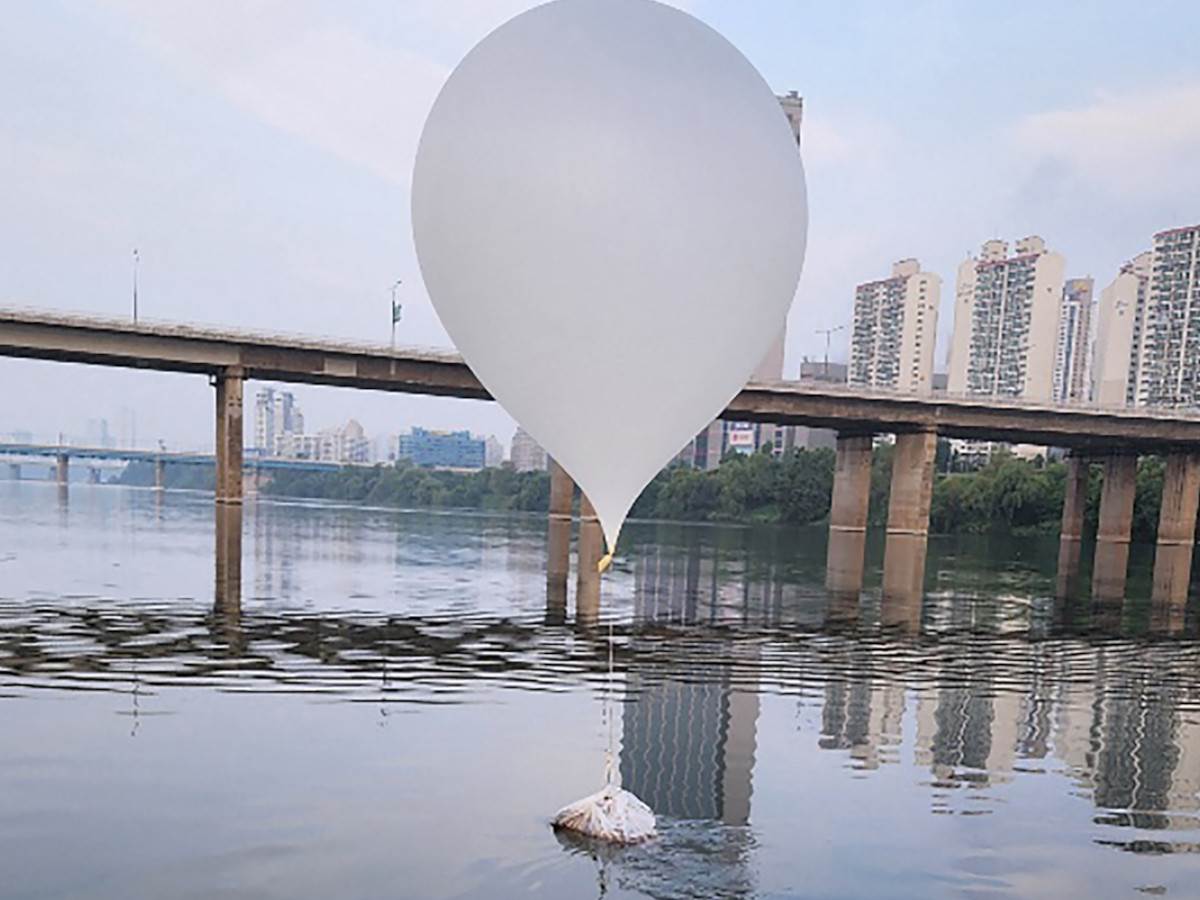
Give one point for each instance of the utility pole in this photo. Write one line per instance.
(829, 333)
(135, 275)
(395, 311)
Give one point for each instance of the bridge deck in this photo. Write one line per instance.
(287, 358)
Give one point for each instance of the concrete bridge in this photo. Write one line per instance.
(1113, 437)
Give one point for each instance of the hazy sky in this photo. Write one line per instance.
(258, 154)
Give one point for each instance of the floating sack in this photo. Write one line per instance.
(611, 814)
(609, 212)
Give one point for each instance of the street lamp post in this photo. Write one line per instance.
(395, 311)
(829, 333)
(135, 275)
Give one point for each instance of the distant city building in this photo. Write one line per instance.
(895, 329)
(1006, 311)
(493, 452)
(1073, 349)
(1120, 333)
(527, 454)
(940, 380)
(278, 423)
(832, 372)
(442, 449)
(1170, 345)
(347, 444)
(793, 108)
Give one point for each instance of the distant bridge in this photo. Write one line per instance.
(174, 457)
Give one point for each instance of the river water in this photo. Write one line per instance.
(397, 712)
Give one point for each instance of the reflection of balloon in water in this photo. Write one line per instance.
(609, 213)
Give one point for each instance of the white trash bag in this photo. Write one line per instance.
(611, 814)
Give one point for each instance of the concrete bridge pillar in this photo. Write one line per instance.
(1177, 528)
(229, 435)
(228, 587)
(62, 471)
(848, 514)
(908, 514)
(93, 474)
(160, 474)
(1071, 536)
(558, 540)
(1116, 523)
(14, 471)
(590, 551)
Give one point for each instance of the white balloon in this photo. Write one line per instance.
(610, 217)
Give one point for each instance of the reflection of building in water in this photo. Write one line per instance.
(688, 746)
(864, 718)
(689, 738)
(1127, 740)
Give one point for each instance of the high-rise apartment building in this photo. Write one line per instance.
(895, 328)
(1120, 333)
(1006, 311)
(527, 454)
(1170, 345)
(1073, 349)
(277, 417)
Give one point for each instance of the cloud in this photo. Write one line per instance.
(1125, 143)
(850, 141)
(356, 91)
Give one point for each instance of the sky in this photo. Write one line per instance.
(258, 155)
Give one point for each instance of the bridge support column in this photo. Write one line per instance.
(558, 542)
(848, 514)
(160, 474)
(228, 589)
(1176, 528)
(1071, 535)
(63, 470)
(93, 474)
(590, 551)
(1116, 523)
(229, 435)
(14, 471)
(908, 515)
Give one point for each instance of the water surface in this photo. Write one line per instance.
(397, 712)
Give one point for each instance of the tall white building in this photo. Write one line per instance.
(493, 452)
(1170, 347)
(527, 454)
(1120, 333)
(895, 328)
(1073, 349)
(1006, 311)
(277, 420)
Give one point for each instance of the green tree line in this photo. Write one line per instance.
(1008, 494)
